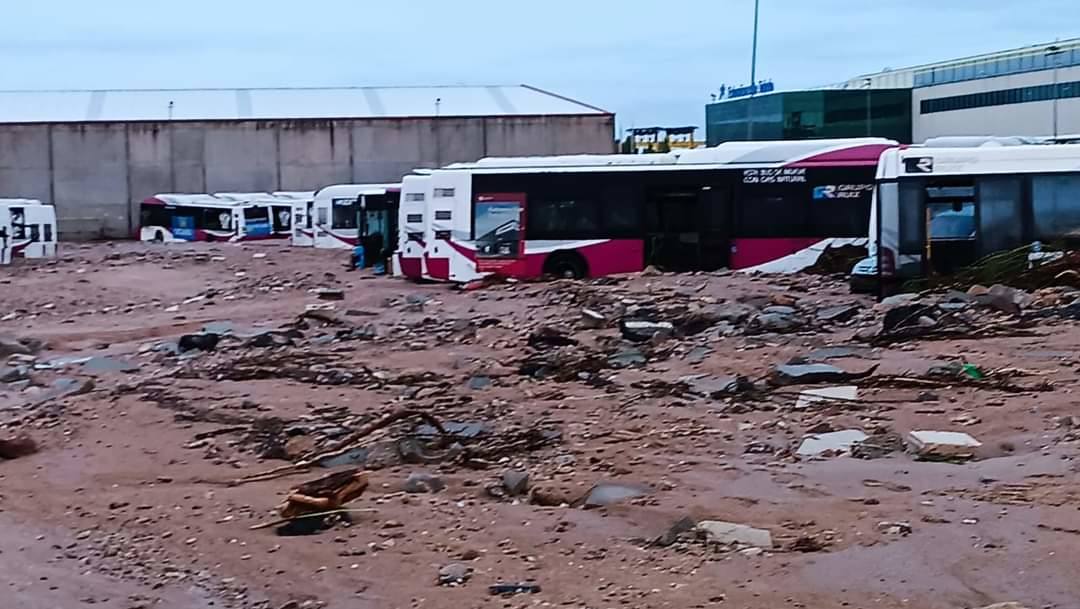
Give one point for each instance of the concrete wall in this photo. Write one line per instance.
(1031, 118)
(97, 173)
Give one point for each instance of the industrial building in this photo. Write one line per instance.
(1030, 91)
(96, 154)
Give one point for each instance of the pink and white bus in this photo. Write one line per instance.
(740, 205)
(413, 222)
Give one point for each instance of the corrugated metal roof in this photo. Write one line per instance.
(77, 106)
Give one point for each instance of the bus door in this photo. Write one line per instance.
(672, 231)
(378, 226)
(281, 220)
(499, 232)
(950, 226)
(301, 224)
(715, 226)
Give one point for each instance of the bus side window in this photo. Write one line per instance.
(322, 216)
(35, 235)
(48, 232)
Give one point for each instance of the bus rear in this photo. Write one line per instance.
(409, 258)
(28, 229)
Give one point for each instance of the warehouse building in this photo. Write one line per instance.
(97, 154)
(1030, 91)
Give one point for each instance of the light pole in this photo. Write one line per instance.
(1052, 54)
(753, 76)
(868, 84)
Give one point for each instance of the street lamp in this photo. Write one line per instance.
(868, 84)
(753, 77)
(1052, 54)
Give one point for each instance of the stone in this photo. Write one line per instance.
(826, 395)
(775, 322)
(454, 574)
(732, 533)
(697, 355)
(833, 442)
(515, 482)
(627, 358)
(895, 528)
(420, 482)
(205, 341)
(607, 493)
(641, 331)
(11, 346)
(897, 300)
(1009, 605)
(592, 319)
(734, 312)
(479, 382)
(549, 495)
(810, 374)
(716, 387)
(12, 374)
(837, 315)
(19, 446)
(943, 444)
(780, 310)
(670, 536)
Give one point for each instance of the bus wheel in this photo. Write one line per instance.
(566, 265)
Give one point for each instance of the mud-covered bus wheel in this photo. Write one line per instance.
(566, 265)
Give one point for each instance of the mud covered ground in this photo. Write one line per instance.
(136, 496)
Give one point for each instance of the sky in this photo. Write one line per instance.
(652, 63)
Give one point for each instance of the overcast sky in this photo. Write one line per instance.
(651, 62)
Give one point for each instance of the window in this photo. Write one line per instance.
(344, 213)
(911, 218)
(18, 226)
(322, 217)
(622, 212)
(443, 214)
(1000, 218)
(1054, 205)
(212, 218)
(47, 228)
(442, 193)
(154, 215)
(763, 212)
(1002, 97)
(414, 218)
(35, 234)
(562, 217)
(415, 197)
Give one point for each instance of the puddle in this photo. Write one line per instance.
(607, 493)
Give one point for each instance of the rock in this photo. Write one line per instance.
(298, 446)
(731, 533)
(547, 336)
(479, 382)
(592, 319)
(683, 525)
(515, 482)
(641, 331)
(548, 495)
(717, 387)
(837, 315)
(565, 460)
(454, 574)
(11, 346)
(607, 493)
(780, 310)
(826, 395)
(627, 358)
(697, 355)
(12, 374)
(419, 482)
(834, 442)
(895, 528)
(19, 446)
(1009, 605)
(205, 341)
(977, 290)
(330, 294)
(943, 444)
(783, 300)
(775, 322)
(897, 300)
(734, 312)
(1005, 299)
(810, 374)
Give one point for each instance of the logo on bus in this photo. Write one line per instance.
(919, 164)
(779, 175)
(842, 191)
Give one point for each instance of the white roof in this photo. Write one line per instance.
(19, 202)
(1008, 160)
(351, 191)
(728, 153)
(283, 103)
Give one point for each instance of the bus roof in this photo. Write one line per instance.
(853, 151)
(193, 200)
(929, 162)
(19, 202)
(348, 191)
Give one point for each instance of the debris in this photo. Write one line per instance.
(511, 589)
(641, 331)
(837, 315)
(329, 492)
(731, 533)
(776, 319)
(881, 443)
(810, 374)
(697, 355)
(717, 387)
(19, 446)
(831, 443)
(944, 445)
(419, 482)
(807, 543)
(515, 482)
(607, 493)
(895, 528)
(1009, 605)
(733, 312)
(546, 336)
(330, 294)
(592, 319)
(682, 525)
(479, 382)
(627, 358)
(108, 364)
(205, 341)
(826, 395)
(12, 374)
(454, 574)
(21, 346)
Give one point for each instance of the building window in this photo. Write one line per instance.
(1000, 98)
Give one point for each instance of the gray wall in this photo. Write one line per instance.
(97, 173)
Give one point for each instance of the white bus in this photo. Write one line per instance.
(349, 214)
(205, 217)
(940, 209)
(413, 222)
(27, 229)
(741, 205)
